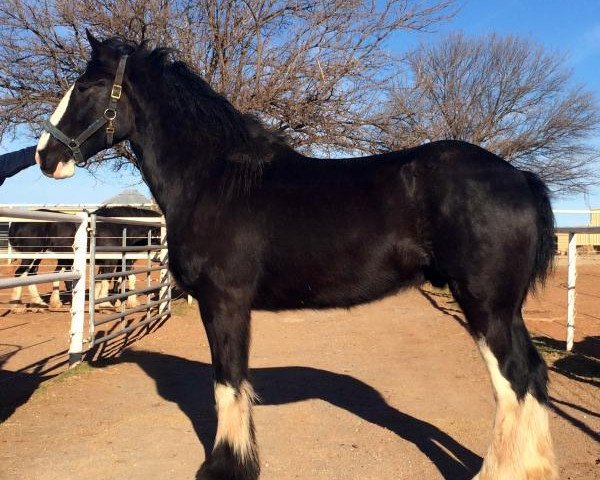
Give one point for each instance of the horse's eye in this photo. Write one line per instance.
(83, 86)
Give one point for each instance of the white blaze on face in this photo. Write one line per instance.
(55, 118)
(65, 168)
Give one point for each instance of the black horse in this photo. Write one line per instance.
(253, 224)
(40, 237)
(110, 235)
(58, 237)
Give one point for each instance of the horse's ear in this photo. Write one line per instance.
(94, 42)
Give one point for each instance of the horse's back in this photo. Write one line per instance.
(369, 229)
(319, 234)
(110, 234)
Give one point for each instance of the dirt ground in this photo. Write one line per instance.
(391, 390)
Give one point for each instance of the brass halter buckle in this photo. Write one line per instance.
(116, 91)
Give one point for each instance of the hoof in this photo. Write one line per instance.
(132, 304)
(103, 306)
(223, 464)
(38, 304)
(207, 472)
(56, 305)
(18, 308)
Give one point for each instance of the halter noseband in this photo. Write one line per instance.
(108, 118)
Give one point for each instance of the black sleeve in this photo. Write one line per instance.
(13, 162)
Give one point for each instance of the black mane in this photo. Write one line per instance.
(234, 136)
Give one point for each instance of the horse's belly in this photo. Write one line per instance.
(330, 283)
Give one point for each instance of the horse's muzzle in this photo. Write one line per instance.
(62, 170)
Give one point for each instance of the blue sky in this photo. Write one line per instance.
(571, 27)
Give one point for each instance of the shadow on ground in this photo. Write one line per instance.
(581, 365)
(17, 386)
(189, 384)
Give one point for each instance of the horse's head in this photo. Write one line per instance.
(94, 114)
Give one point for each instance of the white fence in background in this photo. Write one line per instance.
(155, 309)
(572, 276)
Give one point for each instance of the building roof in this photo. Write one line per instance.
(128, 197)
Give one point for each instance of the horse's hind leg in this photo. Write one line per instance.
(521, 447)
(55, 295)
(226, 318)
(21, 271)
(28, 267)
(132, 300)
(101, 287)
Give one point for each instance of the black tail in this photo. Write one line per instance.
(545, 227)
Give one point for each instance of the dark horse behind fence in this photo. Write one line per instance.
(110, 235)
(41, 237)
(58, 237)
(253, 224)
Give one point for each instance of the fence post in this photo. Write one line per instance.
(571, 279)
(123, 288)
(92, 282)
(150, 296)
(164, 274)
(78, 303)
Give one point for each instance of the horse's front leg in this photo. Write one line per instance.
(226, 317)
(55, 301)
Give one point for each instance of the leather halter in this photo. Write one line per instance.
(108, 118)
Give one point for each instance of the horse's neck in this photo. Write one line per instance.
(155, 176)
(170, 174)
(176, 165)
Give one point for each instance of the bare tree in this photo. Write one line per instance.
(309, 68)
(506, 94)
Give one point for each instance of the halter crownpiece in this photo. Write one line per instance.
(108, 118)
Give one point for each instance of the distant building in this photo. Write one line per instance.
(129, 197)
(585, 241)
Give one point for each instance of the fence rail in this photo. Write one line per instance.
(577, 230)
(129, 221)
(37, 279)
(53, 256)
(35, 215)
(85, 251)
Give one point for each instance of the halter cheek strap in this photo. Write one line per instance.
(107, 118)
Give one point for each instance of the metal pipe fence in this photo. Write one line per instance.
(572, 277)
(121, 257)
(151, 308)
